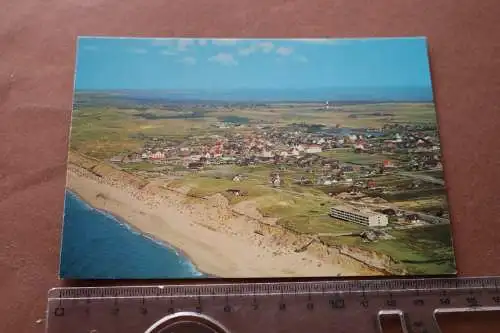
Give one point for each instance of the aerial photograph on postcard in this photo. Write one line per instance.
(242, 158)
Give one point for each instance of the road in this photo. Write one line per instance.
(427, 217)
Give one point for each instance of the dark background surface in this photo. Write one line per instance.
(37, 48)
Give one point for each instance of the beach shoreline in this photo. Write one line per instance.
(222, 246)
(150, 237)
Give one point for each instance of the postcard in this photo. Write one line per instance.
(244, 158)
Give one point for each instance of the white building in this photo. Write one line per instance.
(276, 181)
(157, 156)
(313, 149)
(284, 153)
(266, 153)
(196, 158)
(365, 217)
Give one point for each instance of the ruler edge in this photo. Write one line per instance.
(489, 279)
(363, 285)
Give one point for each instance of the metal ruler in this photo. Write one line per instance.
(350, 306)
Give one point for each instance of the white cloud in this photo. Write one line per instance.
(284, 51)
(302, 59)
(168, 53)
(202, 42)
(162, 42)
(226, 59)
(140, 51)
(224, 41)
(183, 44)
(188, 61)
(247, 51)
(266, 47)
(317, 40)
(337, 41)
(90, 48)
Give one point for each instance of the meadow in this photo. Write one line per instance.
(105, 131)
(421, 250)
(348, 156)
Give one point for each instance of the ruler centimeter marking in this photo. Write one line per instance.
(354, 306)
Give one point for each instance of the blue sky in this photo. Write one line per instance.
(225, 64)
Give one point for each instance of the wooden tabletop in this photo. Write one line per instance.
(37, 49)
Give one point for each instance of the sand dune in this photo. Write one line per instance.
(217, 242)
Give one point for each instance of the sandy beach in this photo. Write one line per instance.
(217, 242)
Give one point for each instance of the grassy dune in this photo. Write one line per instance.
(304, 211)
(105, 132)
(422, 251)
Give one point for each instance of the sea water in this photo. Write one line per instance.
(97, 245)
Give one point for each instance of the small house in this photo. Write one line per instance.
(414, 218)
(234, 192)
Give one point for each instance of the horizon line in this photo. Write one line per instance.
(255, 88)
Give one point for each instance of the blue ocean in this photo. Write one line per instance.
(96, 245)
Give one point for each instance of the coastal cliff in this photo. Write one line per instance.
(282, 251)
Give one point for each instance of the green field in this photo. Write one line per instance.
(141, 166)
(413, 113)
(343, 116)
(205, 186)
(302, 209)
(421, 250)
(103, 132)
(424, 204)
(349, 156)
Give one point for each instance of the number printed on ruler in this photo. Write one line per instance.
(294, 307)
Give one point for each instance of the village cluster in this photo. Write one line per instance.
(408, 147)
(308, 151)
